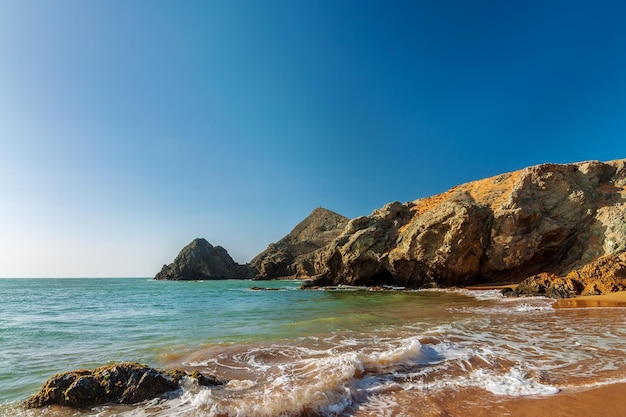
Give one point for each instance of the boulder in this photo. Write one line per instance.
(200, 260)
(121, 383)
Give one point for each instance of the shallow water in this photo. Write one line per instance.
(301, 353)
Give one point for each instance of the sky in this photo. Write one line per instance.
(129, 128)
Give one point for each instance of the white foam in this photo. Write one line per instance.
(336, 374)
(380, 405)
(526, 307)
(240, 384)
(538, 306)
(483, 294)
(477, 294)
(515, 382)
(408, 350)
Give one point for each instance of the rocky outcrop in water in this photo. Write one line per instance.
(544, 223)
(294, 254)
(122, 383)
(200, 260)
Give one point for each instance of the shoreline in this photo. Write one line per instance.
(606, 400)
(615, 299)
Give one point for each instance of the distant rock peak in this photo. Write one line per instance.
(200, 260)
(294, 254)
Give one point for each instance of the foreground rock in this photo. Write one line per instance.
(561, 228)
(122, 383)
(200, 260)
(294, 255)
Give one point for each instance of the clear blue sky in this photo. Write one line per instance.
(128, 128)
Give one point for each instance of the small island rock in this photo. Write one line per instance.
(200, 260)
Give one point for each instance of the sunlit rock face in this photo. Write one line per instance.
(556, 220)
(294, 254)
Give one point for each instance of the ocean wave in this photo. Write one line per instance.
(519, 306)
(288, 380)
(432, 349)
(477, 294)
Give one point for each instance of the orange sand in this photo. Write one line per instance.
(616, 299)
(605, 401)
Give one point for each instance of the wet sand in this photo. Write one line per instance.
(616, 299)
(604, 401)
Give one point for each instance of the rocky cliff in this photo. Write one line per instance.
(294, 254)
(546, 222)
(200, 260)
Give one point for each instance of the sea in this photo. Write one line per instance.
(291, 352)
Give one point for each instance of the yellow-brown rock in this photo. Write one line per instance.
(547, 222)
(294, 254)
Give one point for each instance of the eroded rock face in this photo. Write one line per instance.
(604, 275)
(122, 383)
(200, 260)
(543, 222)
(294, 254)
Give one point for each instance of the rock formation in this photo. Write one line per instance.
(294, 254)
(122, 383)
(561, 229)
(200, 260)
(545, 222)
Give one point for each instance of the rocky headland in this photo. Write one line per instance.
(200, 260)
(294, 255)
(121, 383)
(558, 230)
(555, 229)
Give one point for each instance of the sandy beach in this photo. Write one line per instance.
(445, 353)
(616, 299)
(604, 401)
(601, 401)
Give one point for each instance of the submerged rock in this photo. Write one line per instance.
(121, 383)
(200, 260)
(255, 288)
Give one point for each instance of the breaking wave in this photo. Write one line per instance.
(334, 377)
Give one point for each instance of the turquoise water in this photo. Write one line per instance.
(52, 325)
(289, 352)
